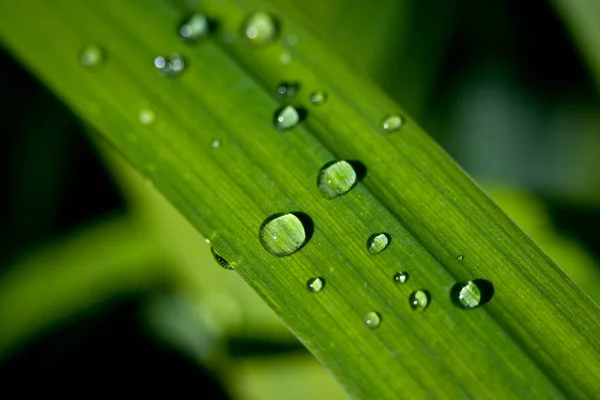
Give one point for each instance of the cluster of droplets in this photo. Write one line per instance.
(285, 233)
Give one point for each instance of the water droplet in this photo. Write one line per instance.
(291, 40)
(471, 294)
(460, 257)
(286, 118)
(392, 123)
(318, 98)
(336, 178)
(194, 28)
(172, 65)
(220, 260)
(419, 300)
(147, 117)
(283, 234)
(372, 319)
(92, 56)
(261, 28)
(401, 277)
(315, 284)
(288, 89)
(378, 242)
(215, 144)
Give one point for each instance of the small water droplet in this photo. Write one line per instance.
(283, 234)
(372, 319)
(336, 178)
(392, 123)
(92, 56)
(194, 27)
(419, 300)
(401, 277)
(315, 284)
(378, 242)
(215, 144)
(147, 117)
(220, 260)
(318, 98)
(261, 28)
(288, 89)
(172, 65)
(471, 294)
(286, 118)
(460, 257)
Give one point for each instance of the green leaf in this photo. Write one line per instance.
(535, 338)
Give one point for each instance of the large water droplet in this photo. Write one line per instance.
(261, 28)
(315, 284)
(400, 277)
(419, 300)
(147, 117)
(392, 123)
(378, 242)
(336, 178)
(471, 294)
(288, 89)
(220, 260)
(172, 65)
(372, 319)
(92, 56)
(286, 118)
(318, 98)
(283, 234)
(194, 28)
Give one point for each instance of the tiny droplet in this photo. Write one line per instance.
(460, 257)
(172, 65)
(400, 277)
(392, 123)
(318, 98)
(147, 117)
(288, 89)
(92, 56)
(419, 300)
(194, 28)
(315, 284)
(261, 28)
(220, 260)
(378, 242)
(286, 118)
(372, 319)
(335, 179)
(215, 144)
(282, 234)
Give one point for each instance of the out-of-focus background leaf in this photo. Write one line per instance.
(100, 276)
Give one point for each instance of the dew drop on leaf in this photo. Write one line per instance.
(336, 178)
(372, 319)
(318, 98)
(460, 257)
(92, 56)
(261, 28)
(378, 242)
(220, 260)
(194, 27)
(288, 89)
(215, 144)
(471, 294)
(172, 65)
(392, 123)
(400, 277)
(315, 284)
(419, 300)
(282, 234)
(286, 118)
